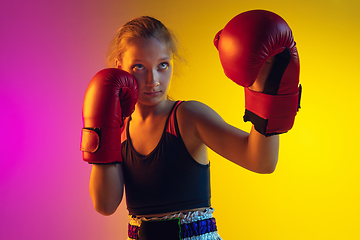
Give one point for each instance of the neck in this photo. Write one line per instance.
(147, 112)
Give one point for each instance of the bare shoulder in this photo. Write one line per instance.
(207, 124)
(195, 109)
(198, 113)
(197, 117)
(186, 114)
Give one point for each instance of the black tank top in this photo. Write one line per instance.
(166, 180)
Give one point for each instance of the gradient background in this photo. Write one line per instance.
(51, 49)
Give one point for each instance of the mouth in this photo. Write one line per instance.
(152, 94)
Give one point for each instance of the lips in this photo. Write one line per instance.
(152, 94)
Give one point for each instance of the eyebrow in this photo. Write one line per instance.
(161, 59)
(165, 58)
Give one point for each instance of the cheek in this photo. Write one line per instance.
(140, 77)
(165, 79)
(140, 82)
(166, 76)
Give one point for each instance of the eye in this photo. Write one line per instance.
(163, 66)
(138, 67)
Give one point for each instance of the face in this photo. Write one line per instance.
(151, 63)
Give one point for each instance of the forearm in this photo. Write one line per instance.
(263, 151)
(106, 187)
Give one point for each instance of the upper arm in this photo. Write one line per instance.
(209, 128)
(252, 151)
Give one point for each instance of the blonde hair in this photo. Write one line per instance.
(141, 27)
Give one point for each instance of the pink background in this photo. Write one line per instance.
(49, 52)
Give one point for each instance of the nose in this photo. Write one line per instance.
(153, 79)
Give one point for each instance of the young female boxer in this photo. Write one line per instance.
(163, 164)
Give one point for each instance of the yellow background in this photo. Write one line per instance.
(51, 50)
(314, 193)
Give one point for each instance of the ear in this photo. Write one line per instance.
(117, 63)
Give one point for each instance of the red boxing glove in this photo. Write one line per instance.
(110, 97)
(245, 44)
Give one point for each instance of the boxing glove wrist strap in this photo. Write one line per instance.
(271, 106)
(271, 114)
(101, 145)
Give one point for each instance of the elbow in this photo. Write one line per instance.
(267, 169)
(267, 164)
(105, 209)
(106, 206)
(262, 169)
(106, 202)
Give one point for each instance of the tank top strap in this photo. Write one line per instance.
(171, 124)
(124, 129)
